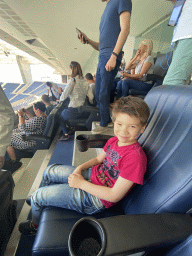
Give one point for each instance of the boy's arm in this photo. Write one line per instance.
(114, 194)
(94, 161)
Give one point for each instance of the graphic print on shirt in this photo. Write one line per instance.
(109, 169)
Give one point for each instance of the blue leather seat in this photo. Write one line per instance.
(168, 182)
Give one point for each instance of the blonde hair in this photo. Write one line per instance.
(149, 45)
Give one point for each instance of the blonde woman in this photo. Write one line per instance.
(141, 64)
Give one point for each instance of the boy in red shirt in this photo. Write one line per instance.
(102, 181)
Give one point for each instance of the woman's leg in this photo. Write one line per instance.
(11, 152)
(119, 89)
(125, 87)
(134, 84)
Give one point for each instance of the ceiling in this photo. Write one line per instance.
(45, 29)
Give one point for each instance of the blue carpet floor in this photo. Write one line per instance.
(62, 154)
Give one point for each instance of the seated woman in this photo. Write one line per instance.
(77, 89)
(34, 125)
(141, 64)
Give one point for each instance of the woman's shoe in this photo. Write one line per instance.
(12, 165)
(64, 137)
(27, 228)
(28, 200)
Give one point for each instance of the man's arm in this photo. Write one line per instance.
(83, 38)
(125, 26)
(114, 194)
(6, 124)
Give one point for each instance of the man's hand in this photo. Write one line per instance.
(75, 180)
(1, 162)
(111, 63)
(82, 37)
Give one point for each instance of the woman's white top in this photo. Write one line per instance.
(77, 89)
(138, 68)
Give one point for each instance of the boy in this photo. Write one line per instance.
(114, 171)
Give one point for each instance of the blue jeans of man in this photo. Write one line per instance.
(55, 191)
(124, 86)
(103, 85)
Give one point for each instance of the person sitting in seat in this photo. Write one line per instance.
(34, 125)
(52, 91)
(141, 64)
(77, 89)
(91, 82)
(102, 181)
(48, 105)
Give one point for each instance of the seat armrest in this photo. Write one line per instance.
(152, 77)
(126, 234)
(35, 137)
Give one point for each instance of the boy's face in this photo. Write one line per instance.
(127, 128)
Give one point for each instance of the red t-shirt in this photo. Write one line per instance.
(129, 162)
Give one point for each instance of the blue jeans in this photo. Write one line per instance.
(55, 191)
(124, 86)
(103, 85)
(71, 114)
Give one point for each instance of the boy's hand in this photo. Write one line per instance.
(75, 180)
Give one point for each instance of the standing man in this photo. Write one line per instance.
(6, 124)
(114, 29)
(180, 70)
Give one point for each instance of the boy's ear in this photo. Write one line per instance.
(143, 128)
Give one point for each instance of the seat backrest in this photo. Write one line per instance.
(162, 64)
(167, 142)
(50, 125)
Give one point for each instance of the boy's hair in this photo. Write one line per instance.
(45, 98)
(89, 76)
(133, 106)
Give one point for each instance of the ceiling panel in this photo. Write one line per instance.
(53, 22)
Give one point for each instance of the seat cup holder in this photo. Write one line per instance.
(85, 141)
(87, 237)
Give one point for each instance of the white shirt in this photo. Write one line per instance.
(54, 90)
(6, 122)
(183, 28)
(77, 89)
